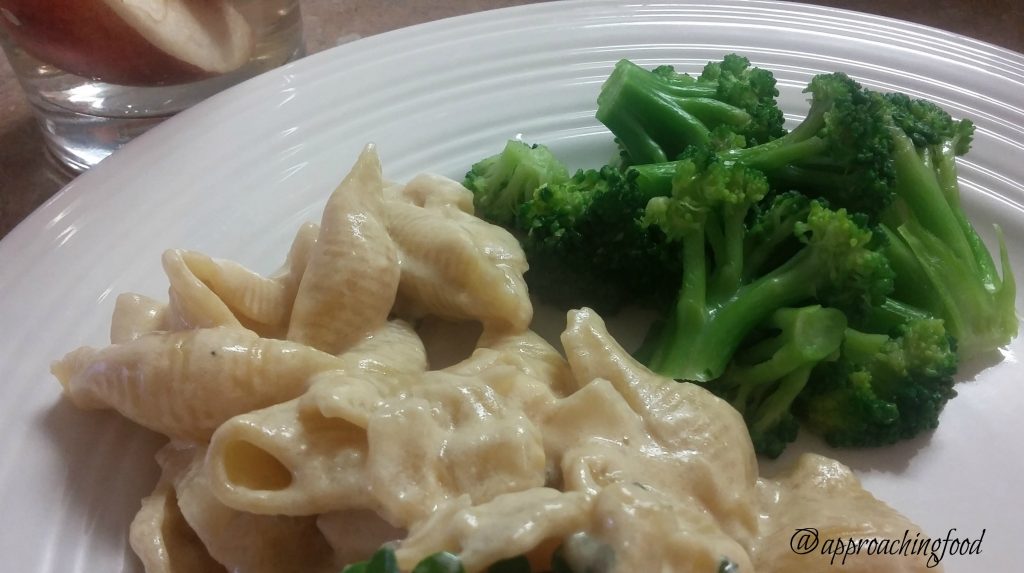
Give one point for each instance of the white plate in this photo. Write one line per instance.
(235, 176)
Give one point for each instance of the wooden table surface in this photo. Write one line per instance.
(27, 177)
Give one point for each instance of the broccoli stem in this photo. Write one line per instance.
(800, 143)
(861, 347)
(944, 166)
(891, 315)
(940, 262)
(906, 247)
(920, 194)
(689, 310)
(772, 410)
(699, 341)
(633, 106)
(729, 273)
(824, 180)
(708, 110)
(808, 336)
(910, 275)
(653, 179)
(779, 153)
(655, 118)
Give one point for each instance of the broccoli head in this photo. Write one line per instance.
(882, 388)
(586, 243)
(841, 151)
(502, 183)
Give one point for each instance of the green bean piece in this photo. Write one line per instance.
(441, 562)
(383, 561)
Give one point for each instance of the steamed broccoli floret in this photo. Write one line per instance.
(583, 238)
(502, 183)
(765, 378)
(771, 236)
(941, 264)
(752, 89)
(926, 124)
(657, 114)
(882, 388)
(582, 234)
(720, 301)
(840, 151)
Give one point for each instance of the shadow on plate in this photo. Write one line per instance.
(892, 459)
(970, 370)
(109, 468)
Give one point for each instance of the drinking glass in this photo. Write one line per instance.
(98, 73)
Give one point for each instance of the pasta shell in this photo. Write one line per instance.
(244, 541)
(255, 300)
(314, 446)
(528, 352)
(349, 285)
(288, 459)
(458, 267)
(135, 315)
(650, 530)
(290, 274)
(207, 292)
(192, 303)
(164, 541)
(186, 384)
(393, 351)
(681, 416)
(429, 190)
(694, 427)
(824, 494)
(379, 367)
(448, 436)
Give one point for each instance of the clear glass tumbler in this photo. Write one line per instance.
(98, 73)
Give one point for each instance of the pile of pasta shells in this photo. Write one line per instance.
(316, 414)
